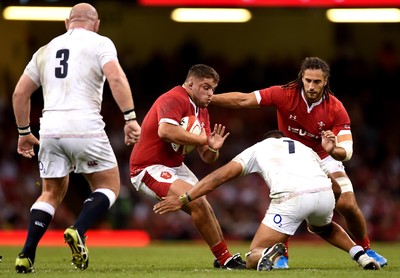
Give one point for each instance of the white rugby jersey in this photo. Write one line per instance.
(69, 69)
(287, 166)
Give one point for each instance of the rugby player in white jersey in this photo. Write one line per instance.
(72, 69)
(301, 188)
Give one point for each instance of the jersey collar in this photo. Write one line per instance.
(310, 107)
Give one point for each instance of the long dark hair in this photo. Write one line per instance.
(312, 63)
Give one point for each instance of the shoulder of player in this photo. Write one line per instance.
(176, 93)
(174, 99)
(273, 89)
(177, 90)
(278, 94)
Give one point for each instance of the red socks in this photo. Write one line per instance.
(286, 254)
(365, 243)
(221, 252)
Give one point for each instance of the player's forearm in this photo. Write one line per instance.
(338, 153)
(21, 100)
(205, 186)
(342, 151)
(339, 147)
(119, 85)
(122, 93)
(230, 100)
(209, 155)
(22, 107)
(215, 179)
(175, 134)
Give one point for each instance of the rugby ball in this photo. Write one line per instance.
(191, 124)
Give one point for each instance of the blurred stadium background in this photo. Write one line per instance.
(156, 54)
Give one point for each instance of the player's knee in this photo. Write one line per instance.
(252, 257)
(323, 231)
(347, 204)
(347, 201)
(201, 204)
(54, 197)
(201, 207)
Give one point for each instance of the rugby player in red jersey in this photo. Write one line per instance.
(306, 108)
(157, 170)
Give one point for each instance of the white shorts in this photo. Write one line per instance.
(60, 156)
(333, 165)
(316, 208)
(156, 180)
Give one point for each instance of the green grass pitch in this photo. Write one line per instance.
(193, 259)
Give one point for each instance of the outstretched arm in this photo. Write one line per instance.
(227, 172)
(235, 100)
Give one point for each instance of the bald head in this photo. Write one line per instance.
(83, 15)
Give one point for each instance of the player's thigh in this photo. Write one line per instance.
(346, 203)
(333, 166)
(90, 155)
(266, 236)
(158, 181)
(104, 179)
(184, 173)
(320, 207)
(94, 158)
(285, 217)
(184, 182)
(53, 162)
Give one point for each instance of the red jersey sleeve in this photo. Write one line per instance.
(172, 107)
(273, 96)
(341, 119)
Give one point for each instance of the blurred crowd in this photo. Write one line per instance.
(367, 88)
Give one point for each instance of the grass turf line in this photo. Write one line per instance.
(184, 259)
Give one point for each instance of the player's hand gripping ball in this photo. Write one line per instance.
(191, 124)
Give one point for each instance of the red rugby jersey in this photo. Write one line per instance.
(304, 123)
(171, 107)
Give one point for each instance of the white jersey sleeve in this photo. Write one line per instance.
(248, 160)
(32, 70)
